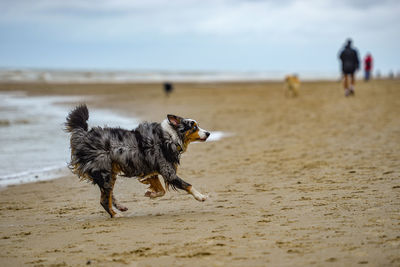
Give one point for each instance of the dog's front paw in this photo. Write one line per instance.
(197, 195)
(201, 197)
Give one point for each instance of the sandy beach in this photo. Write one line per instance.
(306, 181)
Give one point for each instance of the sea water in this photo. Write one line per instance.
(33, 145)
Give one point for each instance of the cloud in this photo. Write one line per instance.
(291, 25)
(264, 20)
(277, 19)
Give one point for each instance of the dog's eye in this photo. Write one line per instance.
(195, 128)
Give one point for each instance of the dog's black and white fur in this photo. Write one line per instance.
(100, 154)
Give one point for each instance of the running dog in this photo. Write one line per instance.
(292, 85)
(100, 154)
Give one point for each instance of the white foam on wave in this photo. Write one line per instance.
(43, 174)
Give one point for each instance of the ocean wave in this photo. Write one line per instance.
(41, 174)
(64, 76)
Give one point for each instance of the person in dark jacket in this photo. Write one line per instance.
(350, 64)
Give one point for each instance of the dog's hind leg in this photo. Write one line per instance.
(104, 179)
(155, 189)
(106, 199)
(117, 205)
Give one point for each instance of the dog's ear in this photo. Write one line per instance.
(174, 120)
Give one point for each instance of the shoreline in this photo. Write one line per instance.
(148, 76)
(313, 180)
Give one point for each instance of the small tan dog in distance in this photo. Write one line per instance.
(292, 85)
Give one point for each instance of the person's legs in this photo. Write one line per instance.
(353, 81)
(346, 84)
(345, 81)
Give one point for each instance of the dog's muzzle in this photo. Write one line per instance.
(204, 135)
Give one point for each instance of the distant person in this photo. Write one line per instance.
(367, 67)
(350, 63)
(168, 88)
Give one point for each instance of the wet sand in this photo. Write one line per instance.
(307, 181)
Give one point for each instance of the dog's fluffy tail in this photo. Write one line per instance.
(77, 119)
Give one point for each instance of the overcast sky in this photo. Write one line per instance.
(191, 35)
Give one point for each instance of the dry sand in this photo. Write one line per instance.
(313, 180)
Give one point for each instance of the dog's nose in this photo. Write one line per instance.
(207, 134)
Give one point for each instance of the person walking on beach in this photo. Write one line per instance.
(350, 63)
(367, 66)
